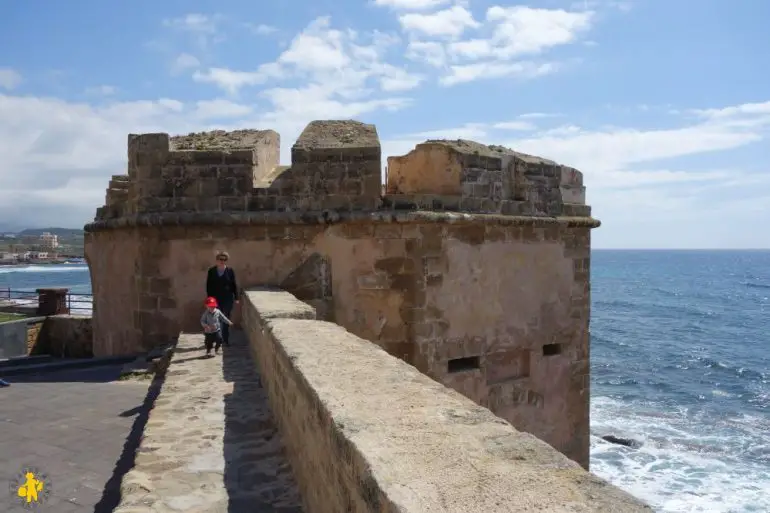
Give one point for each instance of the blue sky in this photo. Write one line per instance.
(664, 106)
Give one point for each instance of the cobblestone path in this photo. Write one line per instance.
(210, 444)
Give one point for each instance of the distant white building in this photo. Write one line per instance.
(49, 240)
(33, 255)
(7, 257)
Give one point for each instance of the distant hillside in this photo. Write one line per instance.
(61, 232)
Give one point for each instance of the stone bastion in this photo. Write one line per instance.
(471, 263)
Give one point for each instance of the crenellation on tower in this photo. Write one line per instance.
(472, 177)
(336, 166)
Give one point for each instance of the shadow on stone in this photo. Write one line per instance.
(257, 475)
(189, 349)
(94, 374)
(182, 360)
(111, 494)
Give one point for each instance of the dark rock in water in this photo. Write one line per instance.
(628, 442)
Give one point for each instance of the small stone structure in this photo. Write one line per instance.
(18, 337)
(472, 265)
(64, 335)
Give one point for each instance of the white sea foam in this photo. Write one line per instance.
(59, 268)
(683, 466)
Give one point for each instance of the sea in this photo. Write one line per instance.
(680, 364)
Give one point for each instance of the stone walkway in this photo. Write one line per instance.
(72, 426)
(210, 444)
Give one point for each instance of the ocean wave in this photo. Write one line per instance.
(738, 371)
(652, 309)
(58, 268)
(688, 462)
(755, 285)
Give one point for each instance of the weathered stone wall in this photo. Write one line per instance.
(69, 336)
(365, 432)
(473, 268)
(34, 330)
(121, 324)
(503, 298)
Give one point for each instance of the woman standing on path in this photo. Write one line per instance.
(221, 284)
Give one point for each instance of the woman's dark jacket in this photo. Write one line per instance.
(224, 287)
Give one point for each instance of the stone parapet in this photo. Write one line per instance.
(366, 432)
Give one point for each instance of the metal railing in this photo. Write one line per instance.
(8, 294)
(80, 303)
(76, 303)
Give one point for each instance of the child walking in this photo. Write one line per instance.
(211, 320)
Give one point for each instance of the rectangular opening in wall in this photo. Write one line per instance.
(463, 364)
(551, 349)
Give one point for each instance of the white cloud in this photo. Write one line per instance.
(509, 34)
(480, 132)
(470, 49)
(184, 62)
(103, 90)
(538, 115)
(344, 72)
(451, 22)
(220, 109)
(204, 29)
(523, 30)
(264, 30)
(521, 126)
(9, 78)
(232, 81)
(193, 22)
(747, 109)
(317, 47)
(399, 80)
(606, 150)
(411, 5)
(472, 131)
(490, 70)
(429, 52)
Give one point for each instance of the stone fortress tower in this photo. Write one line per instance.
(472, 265)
